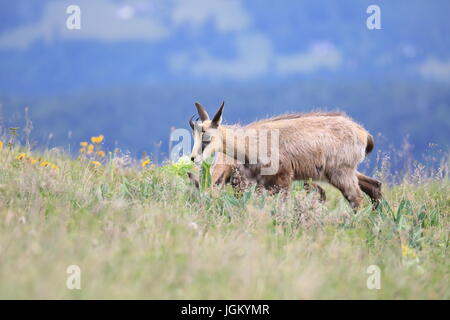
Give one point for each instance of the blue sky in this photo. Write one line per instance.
(239, 40)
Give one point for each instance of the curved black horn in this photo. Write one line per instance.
(202, 112)
(218, 116)
(191, 123)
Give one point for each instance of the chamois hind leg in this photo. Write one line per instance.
(279, 183)
(371, 187)
(346, 181)
(309, 186)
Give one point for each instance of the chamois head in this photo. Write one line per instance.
(206, 135)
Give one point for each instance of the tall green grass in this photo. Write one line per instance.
(147, 233)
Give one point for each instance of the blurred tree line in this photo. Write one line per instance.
(139, 119)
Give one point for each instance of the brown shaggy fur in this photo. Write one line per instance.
(316, 146)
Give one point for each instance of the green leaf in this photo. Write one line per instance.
(205, 174)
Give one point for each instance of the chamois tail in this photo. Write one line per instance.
(370, 144)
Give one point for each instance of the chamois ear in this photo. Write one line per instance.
(191, 123)
(194, 179)
(202, 112)
(217, 120)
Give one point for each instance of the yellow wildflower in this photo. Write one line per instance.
(145, 163)
(82, 150)
(54, 166)
(97, 140)
(101, 153)
(1, 145)
(96, 163)
(408, 252)
(90, 149)
(45, 163)
(21, 156)
(83, 144)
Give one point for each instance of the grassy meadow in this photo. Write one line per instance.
(137, 230)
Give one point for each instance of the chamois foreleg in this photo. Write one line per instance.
(221, 174)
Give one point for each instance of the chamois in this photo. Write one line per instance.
(228, 171)
(315, 146)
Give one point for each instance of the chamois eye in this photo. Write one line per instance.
(205, 144)
(206, 137)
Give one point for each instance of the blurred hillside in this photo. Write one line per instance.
(135, 68)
